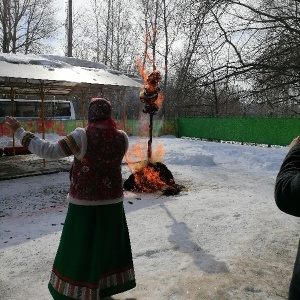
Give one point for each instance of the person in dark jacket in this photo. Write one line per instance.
(287, 197)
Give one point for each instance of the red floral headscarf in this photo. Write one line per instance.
(99, 110)
(99, 115)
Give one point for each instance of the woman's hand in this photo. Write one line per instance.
(12, 124)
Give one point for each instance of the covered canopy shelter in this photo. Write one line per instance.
(41, 75)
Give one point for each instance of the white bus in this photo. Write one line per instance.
(32, 109)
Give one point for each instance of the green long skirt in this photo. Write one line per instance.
(94, 257)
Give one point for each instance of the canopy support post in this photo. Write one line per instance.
(42, 95)
(82, 110)
(123, 96)
(12, 97)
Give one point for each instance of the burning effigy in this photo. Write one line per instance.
(151, 175)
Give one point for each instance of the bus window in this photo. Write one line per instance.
(48, 110)
(24, 109)
(2, 112)
(62, 109)
(5, 109)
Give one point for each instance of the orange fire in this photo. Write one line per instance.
(142, 70)
(149, 180)
(148, 85)
(136, 156)
(146, 177)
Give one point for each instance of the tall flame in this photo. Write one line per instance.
(142, 70)
(145, 74)
(136, 155)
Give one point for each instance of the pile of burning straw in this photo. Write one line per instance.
(153, 177)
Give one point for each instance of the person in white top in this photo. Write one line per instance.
(94, 258)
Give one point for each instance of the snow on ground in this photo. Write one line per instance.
(221, 238)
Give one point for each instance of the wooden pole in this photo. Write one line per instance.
(149, 153)
(12, 97)
(82, 110)
(124, 110)
(42, 94)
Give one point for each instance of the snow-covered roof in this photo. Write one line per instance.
(58, 75)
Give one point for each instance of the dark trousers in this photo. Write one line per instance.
(294, 292)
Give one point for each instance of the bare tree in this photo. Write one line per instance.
(122, 41)
(26, 24)
(103, 33)
(193, 57)
(108, 29)
(85, 30)
(264, 38)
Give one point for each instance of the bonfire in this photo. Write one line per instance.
(151, 175)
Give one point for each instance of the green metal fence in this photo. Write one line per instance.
(133, 127)
(269, 131)
(160, 127)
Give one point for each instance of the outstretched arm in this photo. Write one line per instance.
(73, 144)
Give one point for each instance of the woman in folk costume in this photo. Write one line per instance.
(94, 259)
